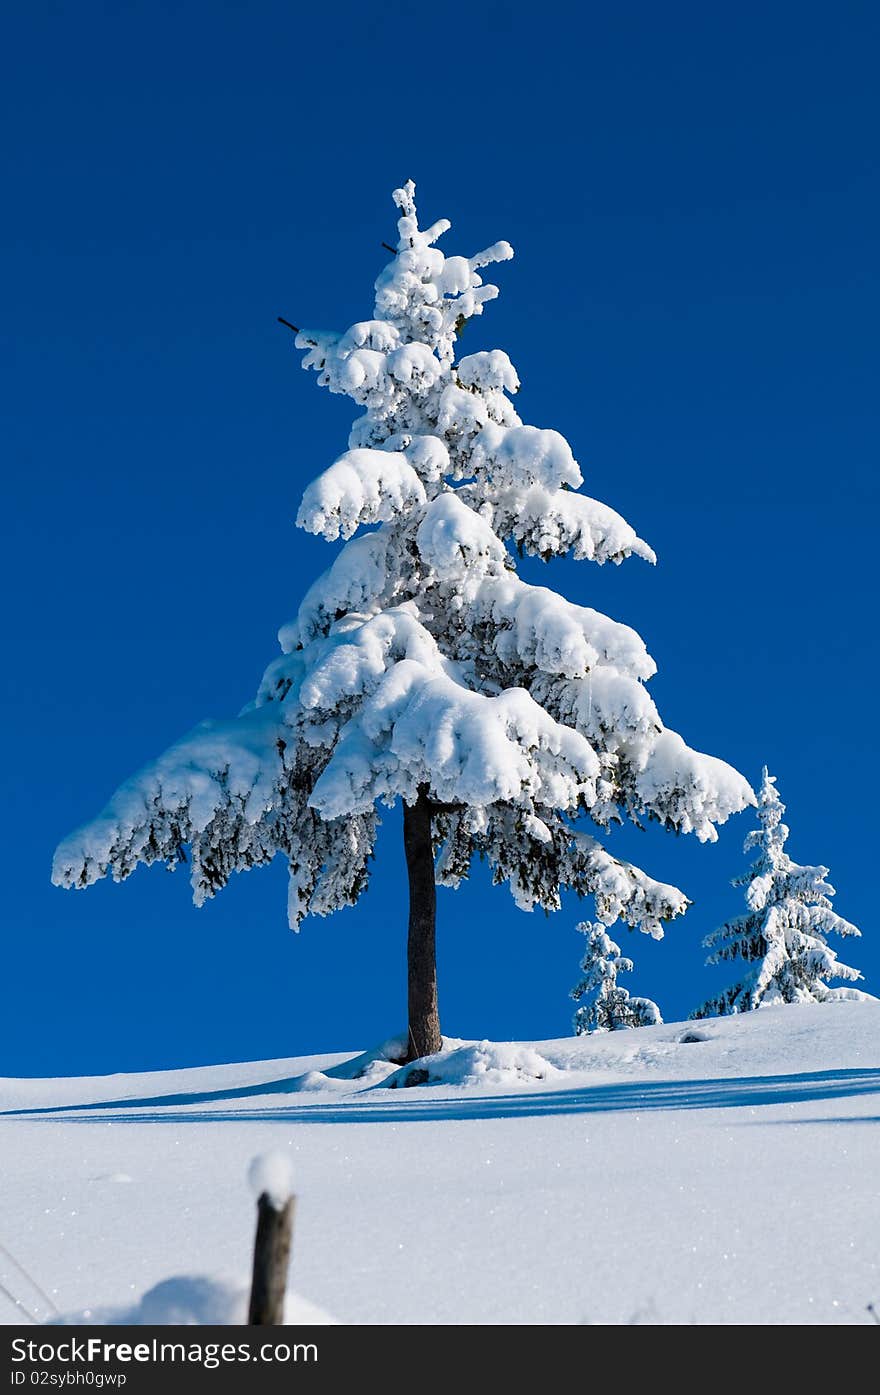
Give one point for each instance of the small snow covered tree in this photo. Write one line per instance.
(782, 936)
(608, 1007)
(421, 668)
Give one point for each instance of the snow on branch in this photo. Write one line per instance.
(418, 723)
(221, 773)
(455, 543)
(538, 628)
(687, 790)
(549, 523)
(492, 371)
(235, 793)
(510, 457)
(363, 486)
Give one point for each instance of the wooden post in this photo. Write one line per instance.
(271, 1259)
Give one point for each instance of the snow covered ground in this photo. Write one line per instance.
(642, 1176)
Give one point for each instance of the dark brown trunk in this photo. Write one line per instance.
(271, 1260)
(424, 1019)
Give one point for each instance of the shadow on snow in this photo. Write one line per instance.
(417, 1105)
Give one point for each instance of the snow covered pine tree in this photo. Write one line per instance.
(608, 1008)
(782, 935)
(420, 667)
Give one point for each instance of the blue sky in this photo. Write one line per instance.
(692, 194)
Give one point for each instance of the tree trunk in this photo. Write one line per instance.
(424, 1019)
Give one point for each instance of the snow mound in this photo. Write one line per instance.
(374, 1066)
(486, 1063)
(316, 1080)
(195, 1300)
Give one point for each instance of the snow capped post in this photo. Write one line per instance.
(782, 936)
(271, 1179)
(608, 1008)
(420, 668)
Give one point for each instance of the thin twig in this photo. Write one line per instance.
(282, 321)
(32, 1281)
(389, 248)
(19, 1307)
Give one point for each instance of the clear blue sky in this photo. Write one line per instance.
(692, 193)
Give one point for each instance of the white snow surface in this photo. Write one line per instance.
(667, 1175)
(195, 1300)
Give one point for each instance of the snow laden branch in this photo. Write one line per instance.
(783, 936)
(364, 486)
(420, 667)
(235, 793)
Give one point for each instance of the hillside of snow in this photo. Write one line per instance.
(723, 1171)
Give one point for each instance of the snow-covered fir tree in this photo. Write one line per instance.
(608, 1007)
(782, 936)
(420, 667)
